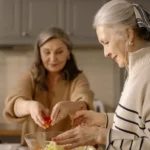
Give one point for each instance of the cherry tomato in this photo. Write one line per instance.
(47, 120)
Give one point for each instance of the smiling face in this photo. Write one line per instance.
(54, 55)
(114, 43)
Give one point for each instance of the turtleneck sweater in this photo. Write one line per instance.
(131, 123)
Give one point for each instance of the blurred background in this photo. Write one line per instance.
(22, 20)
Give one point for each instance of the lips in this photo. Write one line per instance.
(53, 65)
(114, 57)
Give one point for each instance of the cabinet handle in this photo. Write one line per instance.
(25, 34)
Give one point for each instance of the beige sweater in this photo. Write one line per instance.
(76, 90)
(131, 126)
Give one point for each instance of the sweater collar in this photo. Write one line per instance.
(138, 59)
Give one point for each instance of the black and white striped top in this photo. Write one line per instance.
(131, 126)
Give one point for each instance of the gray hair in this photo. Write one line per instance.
(70, 70)
(115, 12)
(53, 33)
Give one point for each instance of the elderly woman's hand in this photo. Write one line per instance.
(37, 110)
(62, 109)
(82, 136)
(90, 118)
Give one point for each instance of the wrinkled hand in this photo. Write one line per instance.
(37, 110)
(82, 136)
(89, 118)
(62, 109)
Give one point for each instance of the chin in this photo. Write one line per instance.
(54, 70)
(121, 65)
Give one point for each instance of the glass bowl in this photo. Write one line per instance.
(39, 141)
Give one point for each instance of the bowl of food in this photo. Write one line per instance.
(43, 141)
(40, 140)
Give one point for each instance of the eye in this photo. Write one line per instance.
(59, 52)
(106, 43)
(46, 52)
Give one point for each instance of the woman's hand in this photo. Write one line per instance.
(82, 136)
(89, 118)
(37, 112)
(62, 109)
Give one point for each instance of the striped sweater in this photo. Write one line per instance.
(131, 126)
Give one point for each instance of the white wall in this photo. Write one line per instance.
(99, 70)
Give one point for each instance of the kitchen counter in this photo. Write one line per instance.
(10, 133)
(10, 129)
(12, 146)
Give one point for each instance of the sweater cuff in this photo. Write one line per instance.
(21, 107)
(109, 120)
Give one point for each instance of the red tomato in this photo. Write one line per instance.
(47, 120)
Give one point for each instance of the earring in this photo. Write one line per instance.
(130, 43)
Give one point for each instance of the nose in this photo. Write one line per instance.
(106, 53)
(53, 58)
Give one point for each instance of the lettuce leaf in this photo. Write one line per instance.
(53, 146)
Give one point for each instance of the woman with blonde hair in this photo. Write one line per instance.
(124, 31)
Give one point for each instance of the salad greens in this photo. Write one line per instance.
(53, 146)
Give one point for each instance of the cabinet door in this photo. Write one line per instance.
(80, 15)
(41, 14)
(9, 21)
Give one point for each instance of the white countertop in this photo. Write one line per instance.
(11, 146)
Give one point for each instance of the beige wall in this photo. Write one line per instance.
(99, 70)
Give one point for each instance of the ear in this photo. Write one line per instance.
(130, 34)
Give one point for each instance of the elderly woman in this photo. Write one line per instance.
(54, 87)
(124, 31)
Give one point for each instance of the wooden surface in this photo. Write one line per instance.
(10, 132)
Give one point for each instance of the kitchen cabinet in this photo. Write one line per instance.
(40, 14)
(10, 22)
(79, 20)
(22, 20)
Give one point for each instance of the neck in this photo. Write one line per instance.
(138, 44)
(53, 76)
(139, 60)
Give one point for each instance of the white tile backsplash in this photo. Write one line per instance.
(98, 69)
